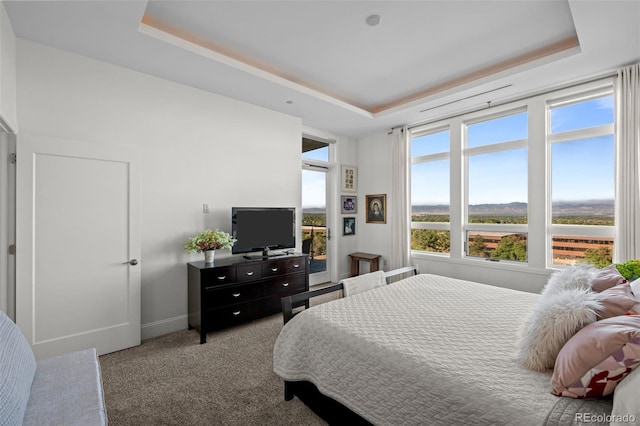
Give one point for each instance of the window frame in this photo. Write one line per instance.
(539, 227)
(488, 149)
(564, 99)
(418, 132)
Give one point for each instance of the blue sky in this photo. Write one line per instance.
(581, 170)
(313, 189)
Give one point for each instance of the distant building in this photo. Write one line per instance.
(566, 249)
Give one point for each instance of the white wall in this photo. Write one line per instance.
(347, 154)
(197, 148)
(8, 118)
(374, 177)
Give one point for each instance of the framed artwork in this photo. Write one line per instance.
(349, 178)
(348, 226)
(377, 208)
(349, 204)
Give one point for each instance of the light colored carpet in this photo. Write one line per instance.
(174, 380)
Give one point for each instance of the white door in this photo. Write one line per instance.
(78, 245)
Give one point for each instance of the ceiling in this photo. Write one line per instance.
(322, 62)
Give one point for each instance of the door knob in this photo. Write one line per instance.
(132, 262)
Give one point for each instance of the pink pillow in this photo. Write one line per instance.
(597, 357)
(606, 278)
(615, 301)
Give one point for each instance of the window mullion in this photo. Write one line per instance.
(457, 190)
(537, 184)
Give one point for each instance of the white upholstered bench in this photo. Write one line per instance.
(62, 390)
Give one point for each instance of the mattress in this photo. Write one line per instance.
(425, 350)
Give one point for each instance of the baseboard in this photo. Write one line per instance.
(166, 326)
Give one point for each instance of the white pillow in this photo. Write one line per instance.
(572, 277)
(635, 289)
(555, 318)
(626, 402)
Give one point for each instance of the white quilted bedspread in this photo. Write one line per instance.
(427, 350)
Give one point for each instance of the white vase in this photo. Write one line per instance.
(208, 256)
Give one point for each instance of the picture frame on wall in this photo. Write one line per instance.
(349, 204)
(376, 208)
(348, 226)
(349, 178)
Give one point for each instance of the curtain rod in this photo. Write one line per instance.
(605, 76)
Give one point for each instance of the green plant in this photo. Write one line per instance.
(209, 240)
(629, 269)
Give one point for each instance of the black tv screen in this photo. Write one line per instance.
(260, 228)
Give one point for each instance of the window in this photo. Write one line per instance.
(530, 183)
(315, 150)
(497, 164)
(582, 152)
(430, 187)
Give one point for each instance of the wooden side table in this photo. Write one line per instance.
(373, 259)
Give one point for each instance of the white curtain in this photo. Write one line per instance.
(627, 238)
(399, 207)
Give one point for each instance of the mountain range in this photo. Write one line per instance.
(573, 208)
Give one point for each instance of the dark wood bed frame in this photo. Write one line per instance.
(330, 410)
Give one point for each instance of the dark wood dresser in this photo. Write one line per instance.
(234, 290)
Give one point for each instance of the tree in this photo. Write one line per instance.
(477, 247)
(430, 240)
(599, 257)
(511, 247)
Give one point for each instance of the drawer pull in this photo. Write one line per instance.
(222, 277)
(296, 265)
(249, 274)
(236, 313)
(274, 269)
(235, 294)
(285, 284)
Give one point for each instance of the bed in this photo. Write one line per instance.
(425, 350)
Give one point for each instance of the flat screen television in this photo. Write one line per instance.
(263, 229)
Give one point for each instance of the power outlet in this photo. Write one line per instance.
(205, 208)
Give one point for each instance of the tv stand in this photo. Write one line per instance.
(235, 290)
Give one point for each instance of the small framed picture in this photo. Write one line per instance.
(348, 226)
(377, 208)
(349, 204)
(349, 178)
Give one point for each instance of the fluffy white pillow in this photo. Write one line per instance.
(555, 318)
(573, 277)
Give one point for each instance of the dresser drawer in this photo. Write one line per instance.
(230, 315)
(272, 268)
(218, 276)
(249, 272)
(229, 295)
(285, 285)
(296, 264)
